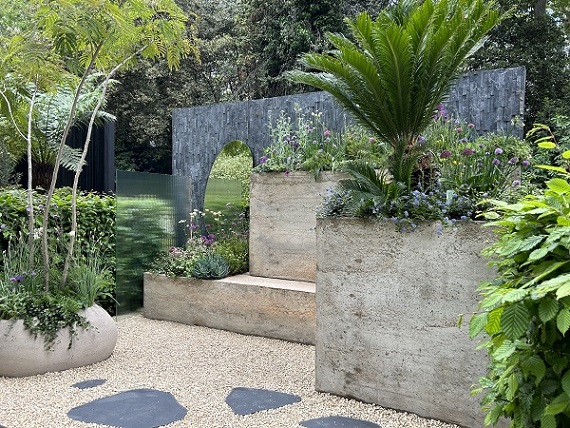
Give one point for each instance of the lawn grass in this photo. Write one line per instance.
(221, 192)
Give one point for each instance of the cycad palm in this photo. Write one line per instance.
(399, 67)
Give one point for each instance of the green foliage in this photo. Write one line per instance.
(548, 148)
(210, 266)
(235, 251)
(234, 163)
(307, 144)
(399, 67)
(525, 310)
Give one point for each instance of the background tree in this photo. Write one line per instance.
(535, 36)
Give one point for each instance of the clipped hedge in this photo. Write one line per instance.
(95, 217)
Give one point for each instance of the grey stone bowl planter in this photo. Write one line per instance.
(387, 309)
(22, 354)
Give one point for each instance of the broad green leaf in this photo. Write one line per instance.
(566, 154)
(558, 405)
(538, 254)
(563, 320)
(561, 281)
(559, 185)
(514, 295)
(512, 386)
(535, 366)
(493, 416)
(504, 351)
(566, 382)
(548, 421)
(548, 309)
(553, 168)
(563, 221)
(546, 145)
(515, 320)
(494, 323)
(477, 324)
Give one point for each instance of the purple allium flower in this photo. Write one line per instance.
(28, 209)
(287, 172)
(498, 151)
(525, 163)
(463, 140)
(458, 129)
(263, 159)
(514, 160)
(470, 125)
(372, 140)
(467, 151)
(516, 183)
(440, 112)
(2, 226)
(446, 154)
(421, 140)
(496, 162)
(327, 133)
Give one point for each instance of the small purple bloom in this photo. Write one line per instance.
(516, 183)
(421, 140)
(372, 140)
(2, 226)
(463, 140)
(514, 160)
(471, 125)
(287, 172)
(525, 163)
(263, 159)
(496, 162)
(498, 151)
(467, 151)
(327, 133)
(446, 154)
(458, 129)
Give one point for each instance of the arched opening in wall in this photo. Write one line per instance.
(226, 205)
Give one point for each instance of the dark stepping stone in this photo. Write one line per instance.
(138, 408)
(338, 422)
(245, 401)
(88, 384)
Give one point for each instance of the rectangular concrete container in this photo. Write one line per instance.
(388, 303)
(242, 304)
(282, 241)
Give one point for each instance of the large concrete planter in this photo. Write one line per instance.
(282, 241)
(243, 304)
(21, 354)
(387, 311)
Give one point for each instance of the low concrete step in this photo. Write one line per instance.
(246, 304)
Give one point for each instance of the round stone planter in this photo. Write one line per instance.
(22, 354)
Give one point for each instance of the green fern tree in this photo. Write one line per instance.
(394, 70)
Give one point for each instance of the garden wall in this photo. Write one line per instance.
(490, 99)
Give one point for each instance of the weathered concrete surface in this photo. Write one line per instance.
(22, 354)
(282, 242)
(242, 304)
(387, 310)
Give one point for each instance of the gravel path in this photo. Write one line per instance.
(199, 366)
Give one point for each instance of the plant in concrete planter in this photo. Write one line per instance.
(391, 76)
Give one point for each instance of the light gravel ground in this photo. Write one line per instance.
(199, 366)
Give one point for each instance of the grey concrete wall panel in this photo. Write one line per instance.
(490, 99)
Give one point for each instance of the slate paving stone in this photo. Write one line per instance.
(338, 422)
(245, 401)
(92, 383)
(138, 408)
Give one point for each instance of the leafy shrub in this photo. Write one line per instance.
(235, 164)
(210, 266)
(525, 310)
(235, 250)
(307, 144)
